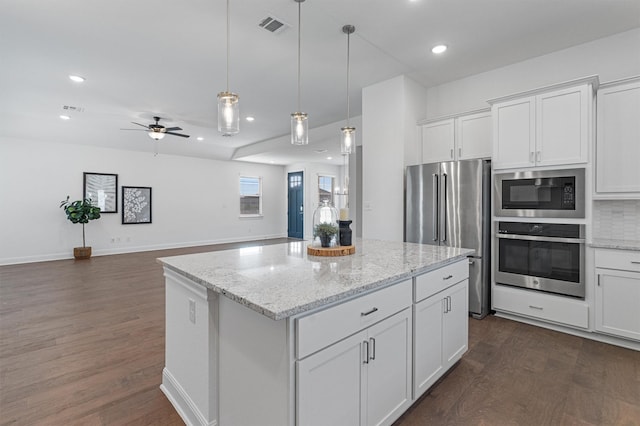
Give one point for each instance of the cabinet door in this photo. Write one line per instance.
(328, 390)
(427, 341)
(514, 133)
(473, 136)
(455, 325)
(438, 141)
(617, 146)
(618, 303)
(562, 126)
(388, 390)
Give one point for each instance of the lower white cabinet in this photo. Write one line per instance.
(440, 334)
(618, 293)
(364, 379)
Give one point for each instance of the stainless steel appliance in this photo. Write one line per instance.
(547, 193)
(541, 256)
(449, 204)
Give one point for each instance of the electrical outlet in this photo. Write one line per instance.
(192, 311)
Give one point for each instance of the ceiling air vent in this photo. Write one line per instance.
(273, 25)
(70, 108)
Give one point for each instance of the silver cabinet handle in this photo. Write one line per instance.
(531, 157)
(598, 280)
(448, 277)
(538, 155)
(449, 297)
(451, 153)
(373, 348)
(536, 307)
(459, 152)
(369, 312)
(366, 352)
(635, 262)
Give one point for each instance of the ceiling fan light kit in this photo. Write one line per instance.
(228, 106)
(299, 120)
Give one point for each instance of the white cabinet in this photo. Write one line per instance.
(362, 380)
(545, 127)
(618, 293)
(458, 137)
(440, 323)
(618, 140)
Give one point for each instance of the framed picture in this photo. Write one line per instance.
(136, 204)
(102, 190)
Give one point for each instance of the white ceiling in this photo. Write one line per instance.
(144, 58)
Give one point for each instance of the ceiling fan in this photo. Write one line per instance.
(157, 131)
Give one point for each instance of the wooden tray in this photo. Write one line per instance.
(331, 251)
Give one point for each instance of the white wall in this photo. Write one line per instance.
(611, 58)
(390, 110)
(195, 201)
(311, 171)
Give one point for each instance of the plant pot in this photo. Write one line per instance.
(82, 252)
(325, 240)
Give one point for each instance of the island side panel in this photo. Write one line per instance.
(190, 375)
(256, 367)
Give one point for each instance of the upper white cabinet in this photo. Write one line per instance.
(544, 127)
(459, 137)
(618, 140)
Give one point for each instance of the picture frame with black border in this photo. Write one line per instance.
(102, 190)
(136, 205)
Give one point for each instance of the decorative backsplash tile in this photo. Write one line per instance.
(617, 220)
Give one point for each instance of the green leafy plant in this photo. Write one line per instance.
(80, 211)
(325, 230)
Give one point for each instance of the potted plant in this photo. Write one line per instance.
(325, 231)
(80, 211)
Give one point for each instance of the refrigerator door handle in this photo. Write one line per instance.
(443, 209)
(434, 207)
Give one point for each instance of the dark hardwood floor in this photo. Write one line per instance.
(82, 343)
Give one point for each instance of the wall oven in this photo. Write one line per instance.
(540, 193)
(541, 256)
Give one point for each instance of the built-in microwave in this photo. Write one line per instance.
(540, 193)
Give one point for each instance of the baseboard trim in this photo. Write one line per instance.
(182, 402)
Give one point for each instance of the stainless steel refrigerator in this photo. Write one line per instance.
(448, 204)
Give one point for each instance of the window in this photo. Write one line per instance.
(325, 189)
(250, 196)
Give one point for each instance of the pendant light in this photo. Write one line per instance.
(299, 122)
(228, 108)
(348, 133)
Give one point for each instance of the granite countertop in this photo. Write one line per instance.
(281, 280)
(615, 244)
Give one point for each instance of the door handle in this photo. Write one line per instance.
(369, 312)
(443, 209)
(366, 351)
(373, 348)
(434, 206)
(448, 277)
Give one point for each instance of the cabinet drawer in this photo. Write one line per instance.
(321, 329)
(434, 281)
(542, 306)
(626, 260)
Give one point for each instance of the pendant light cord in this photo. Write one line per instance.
(299, 31)
(228, 44)
(348, 46)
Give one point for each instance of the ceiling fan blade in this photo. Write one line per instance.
(172, 129)
(143, 125)
(137, 130)
(177, 134)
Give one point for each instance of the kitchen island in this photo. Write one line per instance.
(272, 336)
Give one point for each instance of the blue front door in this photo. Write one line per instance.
(296, 208)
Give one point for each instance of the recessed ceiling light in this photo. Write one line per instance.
(320, 151)
(272, 162)
(200, 138)
(77, 78)
(439, 48)
(329, 158)
(250, 118)
(65, 117)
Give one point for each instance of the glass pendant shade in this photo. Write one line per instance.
(347, 139)
(228, 113)
(299, 128)
(156, 135)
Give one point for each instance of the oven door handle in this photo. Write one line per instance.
(537, 238)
